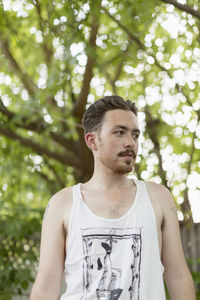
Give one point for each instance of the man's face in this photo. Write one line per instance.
(117, 142)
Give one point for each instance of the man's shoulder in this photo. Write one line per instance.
(62, 194)
(62, 199)
(59, 206)
(157, 188)
(161, 194)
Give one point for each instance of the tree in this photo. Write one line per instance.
(59, 56)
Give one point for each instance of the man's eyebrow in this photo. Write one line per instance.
(125, 128)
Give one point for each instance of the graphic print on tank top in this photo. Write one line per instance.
(105, 262)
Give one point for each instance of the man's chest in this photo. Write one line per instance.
(109, 204)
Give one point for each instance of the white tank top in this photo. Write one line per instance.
(110, 259)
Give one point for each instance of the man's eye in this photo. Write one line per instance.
(119, 132)
(135, 136)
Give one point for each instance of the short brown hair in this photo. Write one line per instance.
(93, 117)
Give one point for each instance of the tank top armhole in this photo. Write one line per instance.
(150, 203)
(70, 218)
(147, 195)
(154, 220)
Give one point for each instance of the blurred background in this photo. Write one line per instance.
(56, 58)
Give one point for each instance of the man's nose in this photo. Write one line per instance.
(129, 142)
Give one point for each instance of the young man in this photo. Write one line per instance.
(116, 237)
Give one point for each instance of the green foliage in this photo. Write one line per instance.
(196, 278)
(18, 249)
(22, 201)
(195, 275)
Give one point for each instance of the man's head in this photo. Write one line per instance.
(111, 132)
(94, 116)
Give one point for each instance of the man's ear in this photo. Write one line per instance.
(91, 140)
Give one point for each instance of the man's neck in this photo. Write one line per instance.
(108, 182)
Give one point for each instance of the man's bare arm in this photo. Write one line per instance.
(177, 275)
(52, 250)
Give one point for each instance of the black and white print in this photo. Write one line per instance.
(112, 256)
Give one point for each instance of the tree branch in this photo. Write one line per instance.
(130, 34)
(5, 111)
(119, 68)
(39, 126)
(117, 74)
(153, 125)
(58, 178)
(177, 86)
(70, 144)
(79, 106)
(45, 177)
(110, 80)
(63, 158)
(184, 7)
(26, 80)
(47, 52)
(185, 205)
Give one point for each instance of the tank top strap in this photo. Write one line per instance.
(76, 195)
(75, 189)
(142, 189)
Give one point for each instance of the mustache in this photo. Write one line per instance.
(128, 152)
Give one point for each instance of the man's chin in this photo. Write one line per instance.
(122, 170)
